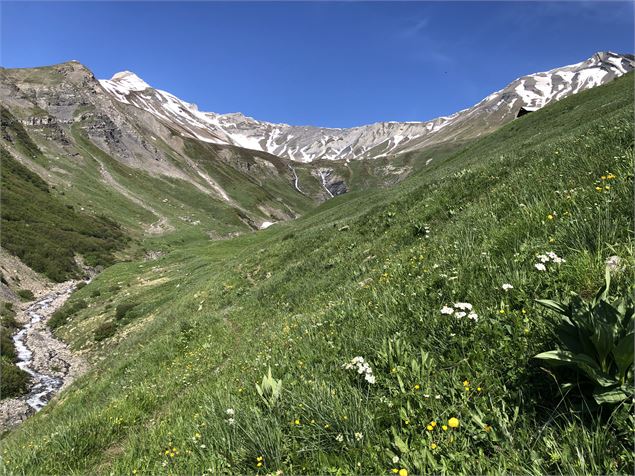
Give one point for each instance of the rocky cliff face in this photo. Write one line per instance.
(307, 143)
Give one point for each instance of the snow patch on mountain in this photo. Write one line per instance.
(383, 139)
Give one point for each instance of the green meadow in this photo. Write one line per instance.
(373, 335)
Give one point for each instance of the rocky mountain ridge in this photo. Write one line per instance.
(383, 139)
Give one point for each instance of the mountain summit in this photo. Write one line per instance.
(383, 139)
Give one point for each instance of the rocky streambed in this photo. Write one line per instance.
(50, 363)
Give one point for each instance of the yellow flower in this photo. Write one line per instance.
(603, 177)
(433, 423)
(607, 187)
(433, 446)
(502, 311)
(259, 464)
(444, 427)
(550, 217)
(466, 383)
(487, 428)
(297, 422)
(599, 189)
(403, 472)
(453, 422)
(417, 387)
(610, 176)
(395, 470)
(478, 389)
(429, 427)
(467, 389)
(259, 458)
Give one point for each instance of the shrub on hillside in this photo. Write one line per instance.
(62, 315)
(7, 348)
(26, 294)
(14, 382)
(105, 330)
(123, 310)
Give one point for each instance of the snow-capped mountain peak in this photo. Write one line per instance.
(383, 139)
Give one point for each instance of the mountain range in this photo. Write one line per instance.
(307, 143)
(152, 162)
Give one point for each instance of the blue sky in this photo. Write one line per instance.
(323, 63)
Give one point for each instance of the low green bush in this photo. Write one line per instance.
(14, 382)
(105, 330)
(7, 348)
(26, 294)
(123, 310)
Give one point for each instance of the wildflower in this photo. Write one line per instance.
(555, 258)
(339, 437)
(230, 412)
(437, 397)
(425, 395)
(473, 316)
(444, 427)
(358, 363)
(395, 470)
(599, 189)
(433, 446)
(359, 436)
(433, 423)
(465, 306)
(540, 267)
(395, 459)
(297, 421)
(610, 176)
(613, 263)
(550, 217)
(417, 387)
(487, 428)
(478, 389)
(231, 421)
(502, 311)
(466, 383)
(429, 427)
(453, 422)
(460, 314)
(403, 472)
(507, 287)
(447, 310)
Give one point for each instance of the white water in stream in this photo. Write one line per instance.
(42, 386)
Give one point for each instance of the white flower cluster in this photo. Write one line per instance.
(507, 287)
(549, 257)
(460, 310)
(230, 412)
(362, 367)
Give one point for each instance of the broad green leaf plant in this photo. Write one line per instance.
(596, 340)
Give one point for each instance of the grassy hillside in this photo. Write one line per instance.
(174, 386)
(45, 233)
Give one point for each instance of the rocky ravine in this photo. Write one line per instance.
(49, 361)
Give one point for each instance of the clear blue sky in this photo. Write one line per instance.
(327, 64)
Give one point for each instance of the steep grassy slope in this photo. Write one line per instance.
(174, 388)
(45, 233)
